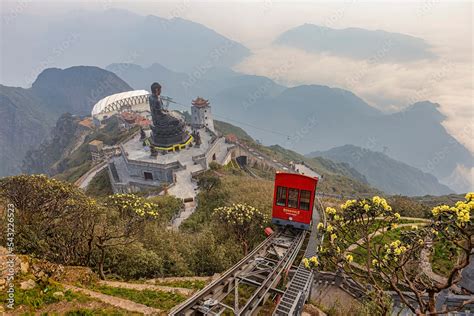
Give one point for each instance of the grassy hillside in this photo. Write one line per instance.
(337, 178)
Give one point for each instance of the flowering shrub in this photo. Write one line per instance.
(243, 220)
(130, 203)
(384, 262)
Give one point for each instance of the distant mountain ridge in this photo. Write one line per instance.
(385, 173)
(99, 38)
(27, 115)
(378, 45)
(185, 87)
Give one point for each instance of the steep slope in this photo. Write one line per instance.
(356, 43)
(385, 173)
(23, 125)
(102, 37)
(62, 140)
(27, 115)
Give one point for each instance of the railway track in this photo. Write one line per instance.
(299, 287)
(256, 275)
(242, 289)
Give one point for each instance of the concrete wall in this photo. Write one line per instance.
(202, 117)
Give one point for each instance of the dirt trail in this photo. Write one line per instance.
(141, 287)
(116, 301)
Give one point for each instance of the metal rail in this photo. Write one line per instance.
(259, 272)
(299, 288)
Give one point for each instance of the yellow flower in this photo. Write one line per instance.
(394, 226)
(374, 262)
(330, 210)
(469, 196)
(439, 209)
(414, 227)
(348, 204)
(320, 226)
(397, 216)
(329, 228)
(395, 243)
(349, 258)
(306, 263)
(333, 236)
(314, 261)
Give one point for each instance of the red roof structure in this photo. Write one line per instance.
(200, 102)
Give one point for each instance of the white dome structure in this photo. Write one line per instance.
(135, 100)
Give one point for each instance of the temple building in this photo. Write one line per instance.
(169, 152)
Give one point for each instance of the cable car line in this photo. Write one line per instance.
(232, 120)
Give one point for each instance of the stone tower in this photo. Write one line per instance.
(201, 115)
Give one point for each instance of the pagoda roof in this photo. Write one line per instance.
(200, 102)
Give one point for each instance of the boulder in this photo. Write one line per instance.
(27, 285)
(24, 267)
(58, 295)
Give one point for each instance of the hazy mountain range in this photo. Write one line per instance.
(100, 38)
(385, 173)
(378, 46)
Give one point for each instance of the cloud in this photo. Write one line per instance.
(387, 86)
(461, 180)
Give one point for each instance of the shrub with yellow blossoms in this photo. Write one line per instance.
(122, 219)
(350, 245)
(311, 263)
(131, 203)
(244, 221)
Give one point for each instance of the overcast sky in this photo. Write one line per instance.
(447, 26)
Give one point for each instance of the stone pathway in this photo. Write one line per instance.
(189, 208)
(116, 301)
(84, 181)
(141, 287)
(425, 263)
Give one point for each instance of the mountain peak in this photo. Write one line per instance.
(426, 109)
(356, 43)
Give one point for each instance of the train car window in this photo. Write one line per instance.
(281, 196)
(305, 199)
(293, 198)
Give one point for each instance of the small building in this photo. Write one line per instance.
(201, 116)
(87, 123)
(231, 139)
(96, 148)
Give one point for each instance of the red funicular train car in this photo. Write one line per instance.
(293, 200)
